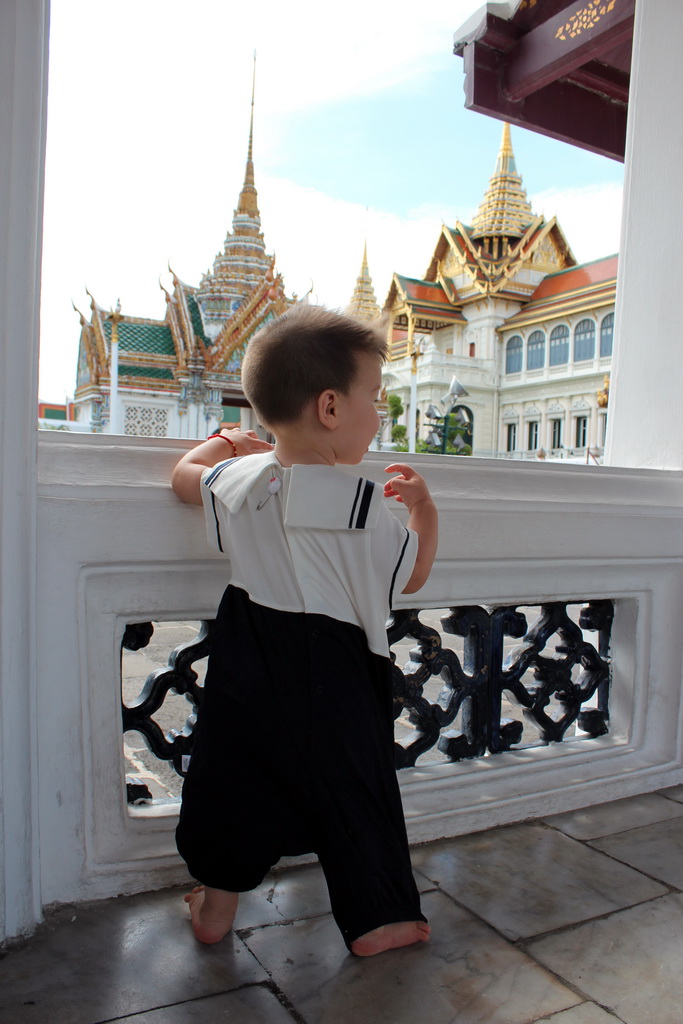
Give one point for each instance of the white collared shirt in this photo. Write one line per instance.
(322, 542)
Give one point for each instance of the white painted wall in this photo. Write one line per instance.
(116, 546)
(644, 423)
(23, 87)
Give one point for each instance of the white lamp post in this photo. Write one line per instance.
(416, 349)
(114, 316)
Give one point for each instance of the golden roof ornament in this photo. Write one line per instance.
(363, 303)
(603, 396)
(505, 209)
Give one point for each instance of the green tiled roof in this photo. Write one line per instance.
(152, 336)
(196, 318)
(157, 372)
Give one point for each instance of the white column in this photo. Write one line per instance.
(543, 427)
(569, 430)
(412, 354)
(647, 369)
(23, 90)
(114, 426)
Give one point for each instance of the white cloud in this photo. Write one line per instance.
(325, 244)
(318, 241)
(589, 215)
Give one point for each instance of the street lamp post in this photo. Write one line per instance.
(416, 348)
(449, 403)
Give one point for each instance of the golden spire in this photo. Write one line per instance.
(505, 209)
(363, 303)
(248, 201)
(243, 264)
(505, 164)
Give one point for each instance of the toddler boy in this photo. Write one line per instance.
(294, 742)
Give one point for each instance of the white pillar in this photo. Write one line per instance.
(645, 403)
(114, 427)
(413, 407)
(412, 355)
(23, 94)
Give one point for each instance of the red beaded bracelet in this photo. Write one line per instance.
(225, 438)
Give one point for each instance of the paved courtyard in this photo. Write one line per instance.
(573, 919)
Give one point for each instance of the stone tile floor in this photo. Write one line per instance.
(572, 919)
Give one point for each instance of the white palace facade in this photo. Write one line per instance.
(528, 332)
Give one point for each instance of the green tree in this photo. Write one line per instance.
(395, 407)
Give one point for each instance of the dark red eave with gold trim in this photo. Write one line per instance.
(558, 68)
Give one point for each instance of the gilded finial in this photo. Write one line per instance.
(248, 202)
(505, 163)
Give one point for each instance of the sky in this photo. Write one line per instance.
(360, 134)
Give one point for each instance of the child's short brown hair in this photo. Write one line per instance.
(302, 353)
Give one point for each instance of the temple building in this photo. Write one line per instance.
(180, 376)
(505, 307)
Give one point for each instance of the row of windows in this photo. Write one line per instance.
(580, 434)
(558, 355)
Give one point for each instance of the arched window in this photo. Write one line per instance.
(535, 351)
(559, 346)
(513, 355)
(584, 340)
(606, 335)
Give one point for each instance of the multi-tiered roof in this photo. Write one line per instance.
(505, 253)
(363, 303)
(505, 211)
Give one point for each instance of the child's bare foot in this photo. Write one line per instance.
(212, 912)
(390, 936)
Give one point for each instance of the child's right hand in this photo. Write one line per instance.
(247, 442)
(409, 487)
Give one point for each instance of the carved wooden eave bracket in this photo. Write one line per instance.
(566, 76)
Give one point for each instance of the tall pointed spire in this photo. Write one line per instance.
(505, 164)
(363, 303)
(243, 263)
(505, 209)
(248, 201)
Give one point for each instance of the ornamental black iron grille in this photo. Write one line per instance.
(465, 719)
(450, 701)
